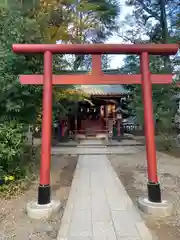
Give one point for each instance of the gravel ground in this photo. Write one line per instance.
(132, 171)
(14, 223)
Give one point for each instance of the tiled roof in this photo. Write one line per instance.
(103, 89)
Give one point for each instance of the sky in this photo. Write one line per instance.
(117, 60)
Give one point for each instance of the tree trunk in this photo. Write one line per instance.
(165, 34)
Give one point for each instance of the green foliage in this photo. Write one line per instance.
(18, 104)
(12, 141)
(149, 21)
(164, 104)
(15, 185)
(17, 101)
(17, 25)
(66, 100)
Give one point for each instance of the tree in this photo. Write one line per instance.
(152, 16)
(78, 21)
(18, 104)
(17, 101)
(155, 19)
(50, 15)
(163, 103)
(73, 21)
(148, 24)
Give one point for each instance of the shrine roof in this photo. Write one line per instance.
(103, 90)
(69, 72)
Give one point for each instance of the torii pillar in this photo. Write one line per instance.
(152, 204)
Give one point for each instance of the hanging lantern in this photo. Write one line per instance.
(113, 108)
(119, 116)
(109, 108)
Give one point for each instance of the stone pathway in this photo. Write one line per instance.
(89, 147)
(98, 206)
(118, 150)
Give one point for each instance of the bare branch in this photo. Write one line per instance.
(149, 11)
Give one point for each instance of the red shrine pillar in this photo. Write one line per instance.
(154, 192)
(44, 191)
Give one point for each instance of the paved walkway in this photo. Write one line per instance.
(98, 206)
(89, 147)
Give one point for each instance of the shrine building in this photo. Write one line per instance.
(102, 113)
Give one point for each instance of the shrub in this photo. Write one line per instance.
(12, 146)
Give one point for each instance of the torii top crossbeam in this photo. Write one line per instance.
(153, 49)
(96, 50)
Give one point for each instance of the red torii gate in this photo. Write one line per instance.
(97, 77)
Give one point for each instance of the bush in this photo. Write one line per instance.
(12, 146)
